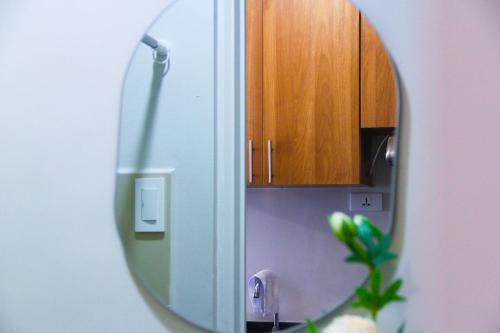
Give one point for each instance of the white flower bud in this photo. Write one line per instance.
(351, 324)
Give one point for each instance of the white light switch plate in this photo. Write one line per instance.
(365, 202)
(150, 204)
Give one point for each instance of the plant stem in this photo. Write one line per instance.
(374, 314)
(376, 295)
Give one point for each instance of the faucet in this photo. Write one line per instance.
(276, 326)
(256, 291)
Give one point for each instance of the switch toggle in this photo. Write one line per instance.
(150, 204)
(149, 209)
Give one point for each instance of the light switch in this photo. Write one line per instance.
(149, 209)
(150, 204)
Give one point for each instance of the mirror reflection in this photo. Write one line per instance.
(165, 187)
(321, 120)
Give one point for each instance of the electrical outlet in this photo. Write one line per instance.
(365, 202)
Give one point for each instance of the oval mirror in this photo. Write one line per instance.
(321, 116)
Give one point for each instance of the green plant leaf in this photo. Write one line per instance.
(391, 294)
(401, 328)
(375, 282)
(311, 328)
(384, 243)
(364, 222)
(383, 257)
(364, 296)
(394, 287)
(358, 250)
(388, 300)
(360, 305)
(354, 258)
(342, 226)
(366, 237)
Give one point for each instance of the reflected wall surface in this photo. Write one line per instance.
(168, 130)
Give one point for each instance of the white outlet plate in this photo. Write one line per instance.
(365, 202)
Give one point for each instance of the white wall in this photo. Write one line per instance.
(450, 67)
(63, 269)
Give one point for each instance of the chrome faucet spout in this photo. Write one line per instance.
(276, 323)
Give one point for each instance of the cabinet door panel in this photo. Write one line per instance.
(254, 92)
(311, 91)
(378, 86)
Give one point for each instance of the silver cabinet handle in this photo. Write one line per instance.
(250, 162)
(269, 162)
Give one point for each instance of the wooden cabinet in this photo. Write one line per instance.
(254, 93)
(378, 86)
(303, 92)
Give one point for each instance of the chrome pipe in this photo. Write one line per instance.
(150, 41)
(160, 51)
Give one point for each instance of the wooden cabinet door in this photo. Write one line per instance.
(254, 93)
(311, 92)
(378, 86)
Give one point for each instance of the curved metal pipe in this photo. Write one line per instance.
(150, 41)
(160, 51)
